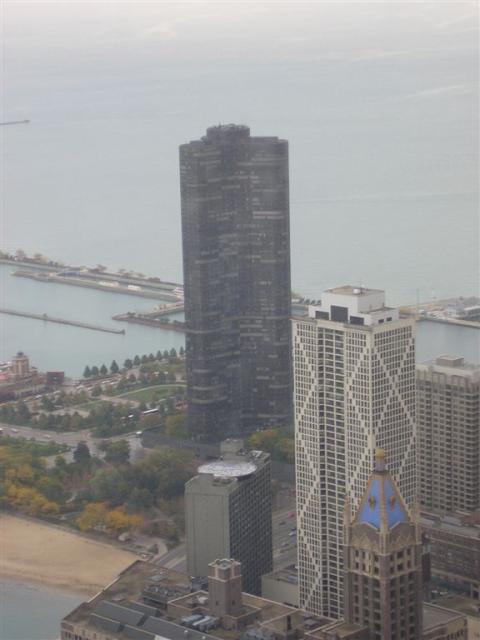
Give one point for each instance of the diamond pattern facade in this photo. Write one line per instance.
(354, 391)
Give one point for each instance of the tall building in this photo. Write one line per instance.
(354, 390)
(236, 266)
(448, 425)
(228, 514)
(383, 562)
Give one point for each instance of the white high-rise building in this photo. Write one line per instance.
(354, 377)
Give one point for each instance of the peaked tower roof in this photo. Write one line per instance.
(382, 506)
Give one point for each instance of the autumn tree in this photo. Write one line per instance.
(92, 516)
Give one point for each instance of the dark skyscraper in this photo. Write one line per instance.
(236, 264)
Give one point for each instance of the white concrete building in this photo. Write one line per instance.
(354, 391)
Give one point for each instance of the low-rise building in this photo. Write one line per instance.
(467, 607)
(281, 585)
(148, 602)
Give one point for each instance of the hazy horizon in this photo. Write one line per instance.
(378, 101)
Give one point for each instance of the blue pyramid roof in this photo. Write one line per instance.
(382, 505)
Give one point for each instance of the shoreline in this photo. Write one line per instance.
(39, 582)
(40, 554)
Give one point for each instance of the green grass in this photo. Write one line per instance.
(88, 406)
(149, 394)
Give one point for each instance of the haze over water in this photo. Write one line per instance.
(378, 101)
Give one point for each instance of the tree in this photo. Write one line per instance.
(87, 372)
(117, 452)
(103, 370)
(176, 426)
(92, 516)
(139, 500)
(95, 371)
(166, 355)
(97, 391)
(144, 359)
(81, 455)
(136, 361)
(173, 352)
(110, 484)
(151, 357)
(118, 521)
(114, 368)
(181, 351)
(159, 355)
(164, 472)
(128, 364)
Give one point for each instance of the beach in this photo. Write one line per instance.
(34, 552)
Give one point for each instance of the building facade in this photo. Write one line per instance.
(454, 554)
(354, 390)
(20, 365)
(236, 266)
(228, 514)
(448, 424)
(383, 562)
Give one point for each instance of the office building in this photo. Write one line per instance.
(383, 562)
(448, 425)
(228, 514)
(354, 391)
(454, 554)
(236, 266)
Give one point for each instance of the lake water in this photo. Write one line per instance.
(29, 612)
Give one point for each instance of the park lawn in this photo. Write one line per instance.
(149, 394)
(88, 406)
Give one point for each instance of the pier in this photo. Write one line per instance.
(72, 323)
(103, 282)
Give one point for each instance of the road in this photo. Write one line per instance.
(70, 438)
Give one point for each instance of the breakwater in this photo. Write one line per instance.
(73, 323)
(149, 321)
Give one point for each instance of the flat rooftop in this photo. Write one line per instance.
(461, 604)
(434, 615)
(287, 574)
(228, 468)
(449, 524)
(452, 365)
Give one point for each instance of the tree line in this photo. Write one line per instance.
(102, 370)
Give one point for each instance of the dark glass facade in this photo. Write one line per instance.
(236, 263)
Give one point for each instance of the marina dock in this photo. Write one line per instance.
(73, 323)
